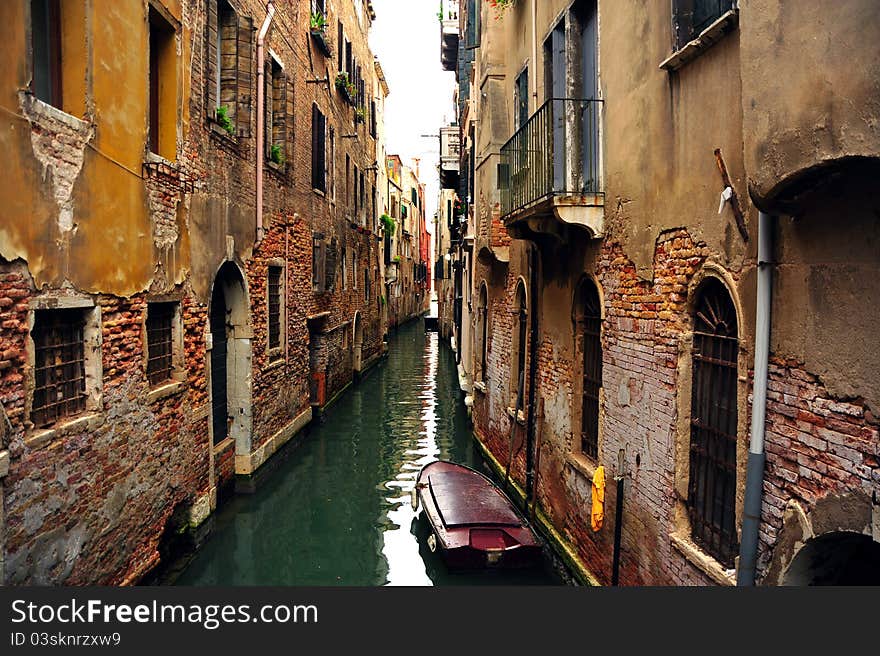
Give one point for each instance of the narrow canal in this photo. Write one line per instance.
(336, 509)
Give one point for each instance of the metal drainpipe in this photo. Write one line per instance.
(748, 548)
(261, 100)
(533, 370)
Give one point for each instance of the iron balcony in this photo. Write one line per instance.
(550, 169)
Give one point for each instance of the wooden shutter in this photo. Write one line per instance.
(211, 63)
(330, 266)
(244, 76)
(280, 116)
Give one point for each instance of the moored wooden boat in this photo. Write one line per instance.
(473, 523)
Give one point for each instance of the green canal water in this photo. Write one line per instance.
(335, 509)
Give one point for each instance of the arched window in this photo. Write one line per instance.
(588, 340)
(483, 330)
(518, 355)
(712, 484)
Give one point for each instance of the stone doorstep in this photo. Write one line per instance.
(248, 464)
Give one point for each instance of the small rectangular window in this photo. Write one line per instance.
(162, 87)
(46, 50)
(160, 342)
(59, 365)
(319, 129)
(276, 114)
(274, 303)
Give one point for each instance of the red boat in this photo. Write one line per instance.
(474, 524)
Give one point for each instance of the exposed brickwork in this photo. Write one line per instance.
(816, 446)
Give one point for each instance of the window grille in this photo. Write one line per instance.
(160, 342)
(712, 484)
(589, 327)
(59, 365)
(274, 284)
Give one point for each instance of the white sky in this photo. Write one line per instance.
(406, 39)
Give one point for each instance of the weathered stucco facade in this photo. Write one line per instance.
(630, 217)
(203, 332)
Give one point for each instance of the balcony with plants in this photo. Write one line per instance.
(549, 171)
(346, 87)
(318, 30)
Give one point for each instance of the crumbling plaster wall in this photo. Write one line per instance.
(811, 86)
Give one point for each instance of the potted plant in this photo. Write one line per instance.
(317, 27)
(223, 120)
(360, 114)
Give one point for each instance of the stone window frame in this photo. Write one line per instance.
(580, 459)
(92, 415)
(178, 372)
(680, 534)
(277, 353)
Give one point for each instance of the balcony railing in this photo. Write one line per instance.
(556, 153)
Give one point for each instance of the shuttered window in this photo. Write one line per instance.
(319, 128)
(276, 113)
(228, 66)
(712, 481)
(318, 262)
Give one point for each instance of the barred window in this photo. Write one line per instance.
(588, 332)
(520, 337)
(712, 484)
(274, 285)
(59, 365)
(160, 341)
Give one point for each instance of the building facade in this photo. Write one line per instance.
(190, 261)
(619, 198)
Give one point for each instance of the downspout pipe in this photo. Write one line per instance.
(748, 548)
(261, 102)
(534, 63)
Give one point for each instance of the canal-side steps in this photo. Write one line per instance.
(557, 543)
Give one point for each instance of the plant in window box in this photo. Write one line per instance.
(360, 114)
(317, 27)
(223, 120)
(276, 155)
(344, 85)
(317, 22)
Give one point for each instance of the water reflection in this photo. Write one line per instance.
(337, 510)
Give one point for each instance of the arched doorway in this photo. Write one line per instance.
(230, 359)
(840, 558)
(357, 356)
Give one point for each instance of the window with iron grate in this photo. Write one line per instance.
(59, 365)
(713, 423)
(160, 342)
(588, 333)
(274, 304)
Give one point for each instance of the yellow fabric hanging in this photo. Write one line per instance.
(597, 515)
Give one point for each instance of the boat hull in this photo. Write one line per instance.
(473, 523)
